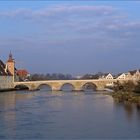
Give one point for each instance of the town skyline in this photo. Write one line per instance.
(71, 37)
(99, 75)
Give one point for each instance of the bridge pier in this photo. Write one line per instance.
(55, 88)
(33, 87)
(78, 89)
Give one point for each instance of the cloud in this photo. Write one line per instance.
(82, 37)
(16, 13)
(104, 25)
(57, 10)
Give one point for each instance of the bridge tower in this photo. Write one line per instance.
(10, 64)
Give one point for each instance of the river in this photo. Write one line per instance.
(66, 115)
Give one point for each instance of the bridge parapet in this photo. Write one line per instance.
(77, 84)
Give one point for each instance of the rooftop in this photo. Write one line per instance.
(2, 70)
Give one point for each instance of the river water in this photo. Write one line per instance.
(66, 115)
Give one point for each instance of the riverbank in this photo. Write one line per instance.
(127, 97)
(8, 89)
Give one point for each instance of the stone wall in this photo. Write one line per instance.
(57, 84)
(6, 82)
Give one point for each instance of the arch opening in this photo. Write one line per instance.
(21, 87)
(44, 87)
(89, 87)
(67, 87)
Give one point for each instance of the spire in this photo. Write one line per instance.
(10, 59)
(10, 56)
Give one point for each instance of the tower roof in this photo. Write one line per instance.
(10, 59)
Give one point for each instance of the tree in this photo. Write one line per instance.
(125, 86)
(117, 86)
(137, 87)
(54, 76)
(129, 86)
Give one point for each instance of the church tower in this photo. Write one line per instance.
(11, 65)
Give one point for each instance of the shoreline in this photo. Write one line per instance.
(10, 89)
(129, 97)
(7, 89)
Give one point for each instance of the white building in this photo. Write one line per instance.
(107, 76)
(122, 76)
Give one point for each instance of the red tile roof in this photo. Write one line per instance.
(22, 73)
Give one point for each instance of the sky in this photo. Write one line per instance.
(74, 37)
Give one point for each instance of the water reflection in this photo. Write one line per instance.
(67, 87)
(8, 109)
(131, 111)
(7, 115)
(45, 87)
(45, 114)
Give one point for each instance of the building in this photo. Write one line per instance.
(23, 74)
(107, 76)
(8, 73)
(133, 75)
(6, 78)
(10, 64)
(121, 76)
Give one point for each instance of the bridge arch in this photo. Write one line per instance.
(67, 87)
(44, 87)
(21, 87)
(89, 86)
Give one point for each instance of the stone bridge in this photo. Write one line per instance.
(78, 85)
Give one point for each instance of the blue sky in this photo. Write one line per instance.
(71, 37)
